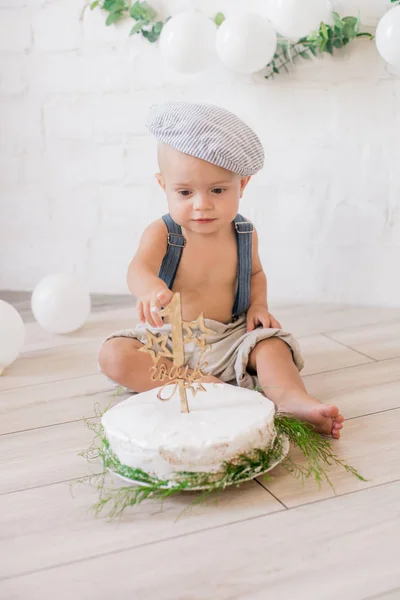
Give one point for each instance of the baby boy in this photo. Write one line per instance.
(208, 252)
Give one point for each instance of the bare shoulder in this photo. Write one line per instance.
(156, 229)
(153, 243)
(155, 233)
(255, 258)
(254, 235)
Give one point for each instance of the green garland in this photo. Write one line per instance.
(316, 450)
(326, 39)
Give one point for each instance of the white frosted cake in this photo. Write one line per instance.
(154, 436)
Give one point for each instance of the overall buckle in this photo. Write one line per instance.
(172, 238)
(244, 223)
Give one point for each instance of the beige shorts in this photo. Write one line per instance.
(230, 347)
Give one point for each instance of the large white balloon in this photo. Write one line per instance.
(187, 42)
(12, 334)
(246, 43)
(388, 37)
(294, 19)
(61, 303)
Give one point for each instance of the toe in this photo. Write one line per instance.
(326, 427)
(335, 434)
(329, 411)
(339, 419)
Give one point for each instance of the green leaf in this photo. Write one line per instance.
(337, 20)
(219, 18)
(137, 27)
(313, 50)
(94, 4)
(116, 6)
(349, 28)
(350, 21)
(109, 5)
(314, 37)
(154, 32)
(304, 54)
(338, 33)
(324, 31)
(338, 43)
(285, 51)
(329, 47)
(114, 17)
(142, 11)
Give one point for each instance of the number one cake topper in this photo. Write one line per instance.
(178, 375)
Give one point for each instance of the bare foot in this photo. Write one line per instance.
(325, 418)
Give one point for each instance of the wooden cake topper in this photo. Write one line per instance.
(178, 375)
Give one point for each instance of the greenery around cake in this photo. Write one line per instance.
(316, 450)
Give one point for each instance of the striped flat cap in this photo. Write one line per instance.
(208, 132)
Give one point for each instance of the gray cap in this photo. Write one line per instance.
(208, 132)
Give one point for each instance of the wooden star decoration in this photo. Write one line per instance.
(201, 326)
(156, 346)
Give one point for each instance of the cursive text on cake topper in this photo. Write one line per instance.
(179, 376)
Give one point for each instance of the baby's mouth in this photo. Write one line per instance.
(206, 220)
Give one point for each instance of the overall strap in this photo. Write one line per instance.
(176, 242)
(243, 231)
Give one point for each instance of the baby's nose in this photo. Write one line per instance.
(202, 202)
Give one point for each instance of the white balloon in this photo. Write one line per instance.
(388, 37)
(246, 43)
(187, 42)
(12, 334)
(61, 303)
(294, 19)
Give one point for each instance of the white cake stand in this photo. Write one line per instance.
(285, 451)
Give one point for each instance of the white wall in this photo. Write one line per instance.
(77, 163)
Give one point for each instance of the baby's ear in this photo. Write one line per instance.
(243, 182)
(160, 180)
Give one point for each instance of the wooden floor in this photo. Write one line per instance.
(279, 540)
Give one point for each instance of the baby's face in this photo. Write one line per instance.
(201, 197)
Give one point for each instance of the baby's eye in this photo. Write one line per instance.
(184, 192)
(218, 190)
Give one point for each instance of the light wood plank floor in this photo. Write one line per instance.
(265, 540)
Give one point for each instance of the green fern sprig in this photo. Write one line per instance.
(316, 449)
(326, 39)
(317, 452)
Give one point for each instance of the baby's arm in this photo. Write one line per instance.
(150, 290)
(258, 313)
(258, 289)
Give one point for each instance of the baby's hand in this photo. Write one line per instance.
(149, 306)
(259, 315)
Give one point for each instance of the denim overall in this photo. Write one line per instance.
(176, 243)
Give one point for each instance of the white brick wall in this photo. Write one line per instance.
(77, 164)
